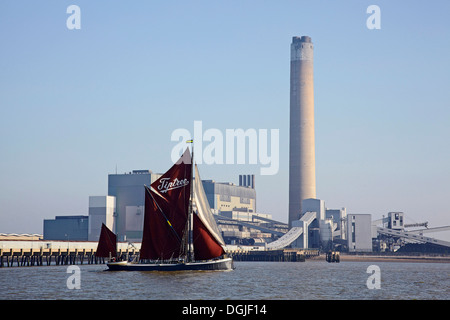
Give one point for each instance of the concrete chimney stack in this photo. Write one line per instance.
(302, 167)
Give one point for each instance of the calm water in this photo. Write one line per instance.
(250, 280)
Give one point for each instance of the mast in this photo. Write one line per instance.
(190, 257)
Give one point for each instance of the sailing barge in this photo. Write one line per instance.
(180, 232)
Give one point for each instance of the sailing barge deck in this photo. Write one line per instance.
(213, 265)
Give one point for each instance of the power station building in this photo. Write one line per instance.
(310, 223)
(318, 227)
(226, 196)
(102, 209)
(128, 190)
(359, 231)
(68, 228)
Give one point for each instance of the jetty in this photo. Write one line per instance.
(284, 255)
(55, 252)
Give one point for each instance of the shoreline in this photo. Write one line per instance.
(387, 258)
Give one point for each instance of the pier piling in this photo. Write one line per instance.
(48, 257)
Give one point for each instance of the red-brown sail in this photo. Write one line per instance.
(205, 246)
(166, 212)
(107, 243)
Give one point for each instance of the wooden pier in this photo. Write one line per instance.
(47, 252)
(22, 257)
(49, 257)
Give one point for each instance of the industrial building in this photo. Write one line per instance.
(81, 227)
(73, 228)
(226, 196)
(359, 231)
(318, 227)
(128, 190)
(334, 229)
(247, 228)
(391, 233)
(234, 207)
(102, 209)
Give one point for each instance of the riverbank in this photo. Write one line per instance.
(388, 258)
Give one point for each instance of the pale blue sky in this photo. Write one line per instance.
(74, 104)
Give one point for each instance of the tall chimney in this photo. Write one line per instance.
(302, 168)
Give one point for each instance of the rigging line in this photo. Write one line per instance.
(167, 220)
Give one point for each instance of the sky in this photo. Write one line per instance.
(79, 104)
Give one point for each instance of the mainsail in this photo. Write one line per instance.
(107, 243)
(167, 214)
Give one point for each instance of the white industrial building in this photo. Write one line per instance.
(318, 226)
(102, 209)
(227, 196)
(359, 231)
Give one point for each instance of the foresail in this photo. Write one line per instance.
(205, 245)
(203, 209)
(107, 243)
(208, 242)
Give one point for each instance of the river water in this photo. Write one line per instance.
(249, 281)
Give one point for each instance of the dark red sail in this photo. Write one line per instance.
(166, 212)
(205, 245)
(107, 243)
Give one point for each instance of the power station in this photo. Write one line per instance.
(311, 225)
(302, 167)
